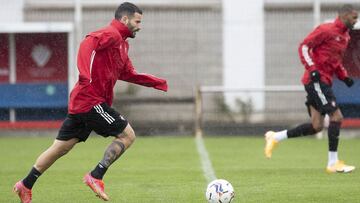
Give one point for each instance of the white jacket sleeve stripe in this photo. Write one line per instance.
(91, 62)
(305, 53)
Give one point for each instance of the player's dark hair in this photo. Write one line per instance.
(346, 8)
(127, 9)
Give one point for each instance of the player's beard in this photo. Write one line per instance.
(134, 33)
(349, 25)
(133, 30)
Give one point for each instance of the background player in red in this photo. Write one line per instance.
(102, 60)
(322, 53)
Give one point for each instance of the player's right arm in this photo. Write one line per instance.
(93, 42)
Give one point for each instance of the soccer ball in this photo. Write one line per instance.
(220, 191)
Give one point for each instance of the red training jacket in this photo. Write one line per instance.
(323, 50)
(102, 60)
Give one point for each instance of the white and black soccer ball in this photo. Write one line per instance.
(219, 191)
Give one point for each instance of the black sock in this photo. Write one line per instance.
(301, 130)
(99, 171)
(333, 135)
(31, 178)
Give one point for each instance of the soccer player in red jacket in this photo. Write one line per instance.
(322, 52)
(102, 60)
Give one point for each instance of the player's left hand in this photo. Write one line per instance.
(162, 86)
(348, 81)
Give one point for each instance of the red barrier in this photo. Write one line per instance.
(33, 125)
(351, 123)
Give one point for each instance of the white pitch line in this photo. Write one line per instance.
(208, 170)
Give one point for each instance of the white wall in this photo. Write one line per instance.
(11, 11)
(244, 48)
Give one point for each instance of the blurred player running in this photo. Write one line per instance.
(322, 52)
(102, 60)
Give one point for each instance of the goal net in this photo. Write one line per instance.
(247, 111)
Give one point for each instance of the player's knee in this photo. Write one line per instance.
(129, 134)
(336, 116)
(318, 127)
(338, 119)
(131, 137)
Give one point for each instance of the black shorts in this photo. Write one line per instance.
(321, 97)
(102, 119)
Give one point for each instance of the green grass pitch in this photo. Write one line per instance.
(168, 169)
